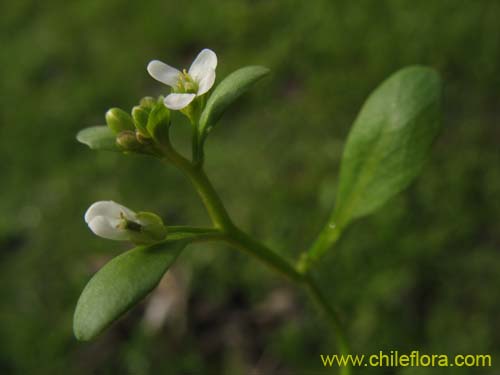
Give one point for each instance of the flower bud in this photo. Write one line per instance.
(113, 221)
(147, 102)
(128, 141)
(152, 226)
(118, 120)
(140, 116)
(159, 123)
(143, 140)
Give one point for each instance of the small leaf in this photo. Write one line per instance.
(230, 89)
(98, 138)
(120, 284)
(389, 142)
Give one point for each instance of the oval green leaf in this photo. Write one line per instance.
(388, 143)
(120, 284)
(98, 138)
(230, 89)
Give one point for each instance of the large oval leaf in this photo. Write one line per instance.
(389, 142)
(120, 284)
(230, 89)
(98, 138)
(385, 150)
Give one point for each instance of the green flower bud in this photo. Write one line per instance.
(147, 102)
(111, 220)
(152, 226)
(140, 116)
(159, 123)
(118, 120)
(146, 141)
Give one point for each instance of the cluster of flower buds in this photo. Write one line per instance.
(144, 130)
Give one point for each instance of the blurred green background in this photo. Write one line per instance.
(423, 273)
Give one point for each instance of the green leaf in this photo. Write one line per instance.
(389, 142)
(120, 284)
(98, 138)
(230, 89)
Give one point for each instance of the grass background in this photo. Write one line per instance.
(423, 273)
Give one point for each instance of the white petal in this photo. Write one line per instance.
(106, 229)
(206, 82)
(205, 62)
(178, 101)
(163, 73)
(108, 209)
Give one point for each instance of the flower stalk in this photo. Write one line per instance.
(146, 131)
(188, 88)
(236, 238)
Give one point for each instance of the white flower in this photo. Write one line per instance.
(109, 219)
(186, 85)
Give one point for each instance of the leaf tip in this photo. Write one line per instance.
(263, 70)
(424, 71)
(80, 137)
(80, 330)
(98, 138)
(84, 326)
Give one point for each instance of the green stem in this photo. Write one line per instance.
(324, 241)
(203, 187)
(332, 316)
(226, 231)
(195, 149)
(209, 235)
(187, 229)
(209, 197)
(242, 241)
